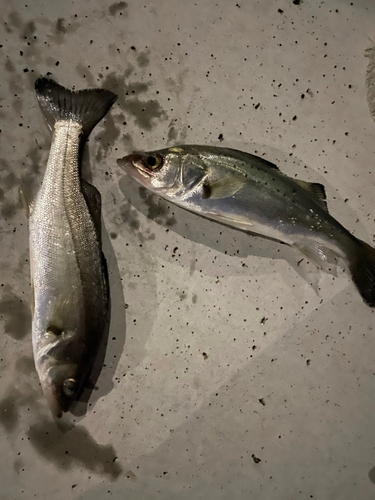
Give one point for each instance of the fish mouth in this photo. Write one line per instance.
(134, 165)
(54, 402)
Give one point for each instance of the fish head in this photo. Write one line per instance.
(172, 172)
(63, 372)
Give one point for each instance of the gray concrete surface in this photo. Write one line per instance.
(222, 349)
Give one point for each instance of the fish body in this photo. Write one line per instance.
(251, 194)
(68, 270)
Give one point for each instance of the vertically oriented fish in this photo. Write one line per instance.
(68, 269)
(251, 194)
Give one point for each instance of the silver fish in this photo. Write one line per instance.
(251, 194)
(68, 269)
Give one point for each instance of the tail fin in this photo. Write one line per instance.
(86, 107)
(362, 267)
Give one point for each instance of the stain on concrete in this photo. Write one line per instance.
(146, 113)
(28, 30)
(117, 7)
(16, 315)
(15, 20)
(9, 66)
(143, 59)
(8, 410)
(122, 87)
(157, 208)
(10, 203)
(172, 134)
(18, 465)
(371, 475)
(74, 448)
(84, 72)
(130, 475)
(130, 216)
(128, 142)
(61, 28)
(177, 86)
(25, 365)
(110, 131)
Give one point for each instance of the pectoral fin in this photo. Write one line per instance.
(27, 198)
(320, 254)
(223, 188)
(238, 222)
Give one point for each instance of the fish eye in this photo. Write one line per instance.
(69, 387)
(154, 161)
(151, 161)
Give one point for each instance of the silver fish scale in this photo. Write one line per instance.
(70, 291)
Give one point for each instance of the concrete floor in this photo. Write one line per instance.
(231, 371)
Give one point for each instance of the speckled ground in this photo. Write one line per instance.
(233, 369)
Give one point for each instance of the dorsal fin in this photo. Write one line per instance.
(316, 190)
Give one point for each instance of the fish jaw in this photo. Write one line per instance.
(55, 381)
(135, 166)
(62, 365)
(52, 399)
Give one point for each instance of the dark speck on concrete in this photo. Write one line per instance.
(262, 402)
(297, 2)
(117, 7)
(73, 449)
(256, 459)
(221, 137)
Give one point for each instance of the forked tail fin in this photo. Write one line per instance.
(86, 107)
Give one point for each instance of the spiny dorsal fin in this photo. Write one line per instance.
(316, 190)
(221, 189)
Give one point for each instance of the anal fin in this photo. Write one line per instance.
(321, 255)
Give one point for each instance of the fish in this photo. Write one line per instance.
(251, 194)
(70, 290)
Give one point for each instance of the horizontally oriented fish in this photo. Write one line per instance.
(68, 270)
(251, 194)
